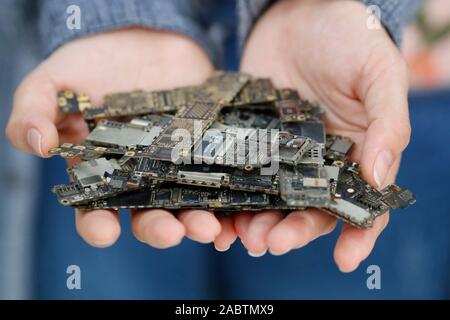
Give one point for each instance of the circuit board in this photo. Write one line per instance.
(234, 143)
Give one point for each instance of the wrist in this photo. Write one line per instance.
(93, 17)
(133, 47)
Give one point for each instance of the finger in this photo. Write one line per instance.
(31, 127)
(201, 226)
(227, 235)
(298, 229)
(241, 223)
(384, 94)
(158, 228)
(354, 245)
(255, 235)
(73, 128)
(99, 228)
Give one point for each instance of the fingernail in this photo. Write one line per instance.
(302, 245)
(34, 139)
(139, 239)
(278, 253)
(222, 249)
(103, 244)
(349, 270)
(383, 163)
(256, 255)
(202, 241)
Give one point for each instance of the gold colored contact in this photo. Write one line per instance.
(84, 105)
(161, 181)
(184, 153)
(338, 163)
(82, 97)
(62, 102)
(69, 94)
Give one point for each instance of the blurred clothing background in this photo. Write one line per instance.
(38, 240)
(19, 173)
(427, 46)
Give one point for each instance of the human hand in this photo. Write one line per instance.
(325, 50)
(105, 63)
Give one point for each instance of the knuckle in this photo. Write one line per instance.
(404, 134)
(400, 132)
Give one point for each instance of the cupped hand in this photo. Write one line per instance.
(105, 63)
(325, 49)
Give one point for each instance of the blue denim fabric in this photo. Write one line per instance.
(101, 15)
(395, 14)
(19, 174)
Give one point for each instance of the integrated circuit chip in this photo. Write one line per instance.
(210, 146)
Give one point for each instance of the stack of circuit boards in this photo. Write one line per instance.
(232, 144)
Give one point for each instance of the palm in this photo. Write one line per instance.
(311, 50)
(116, 62)
(311, 46)
(112, 62)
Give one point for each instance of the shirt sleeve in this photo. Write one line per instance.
(394, 15)
(103, 15)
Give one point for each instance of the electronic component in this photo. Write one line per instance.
(96, 179)
(359, 203)
(70, 102)
(210, 146)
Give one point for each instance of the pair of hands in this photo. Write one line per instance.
(322, 48)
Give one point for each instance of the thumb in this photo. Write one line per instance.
(389, 130)
(31, 126)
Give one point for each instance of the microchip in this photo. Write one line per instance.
(190, 197)
(235, 128)
(163, 196)
(213, 196)
(341, 146)
(256, 198)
